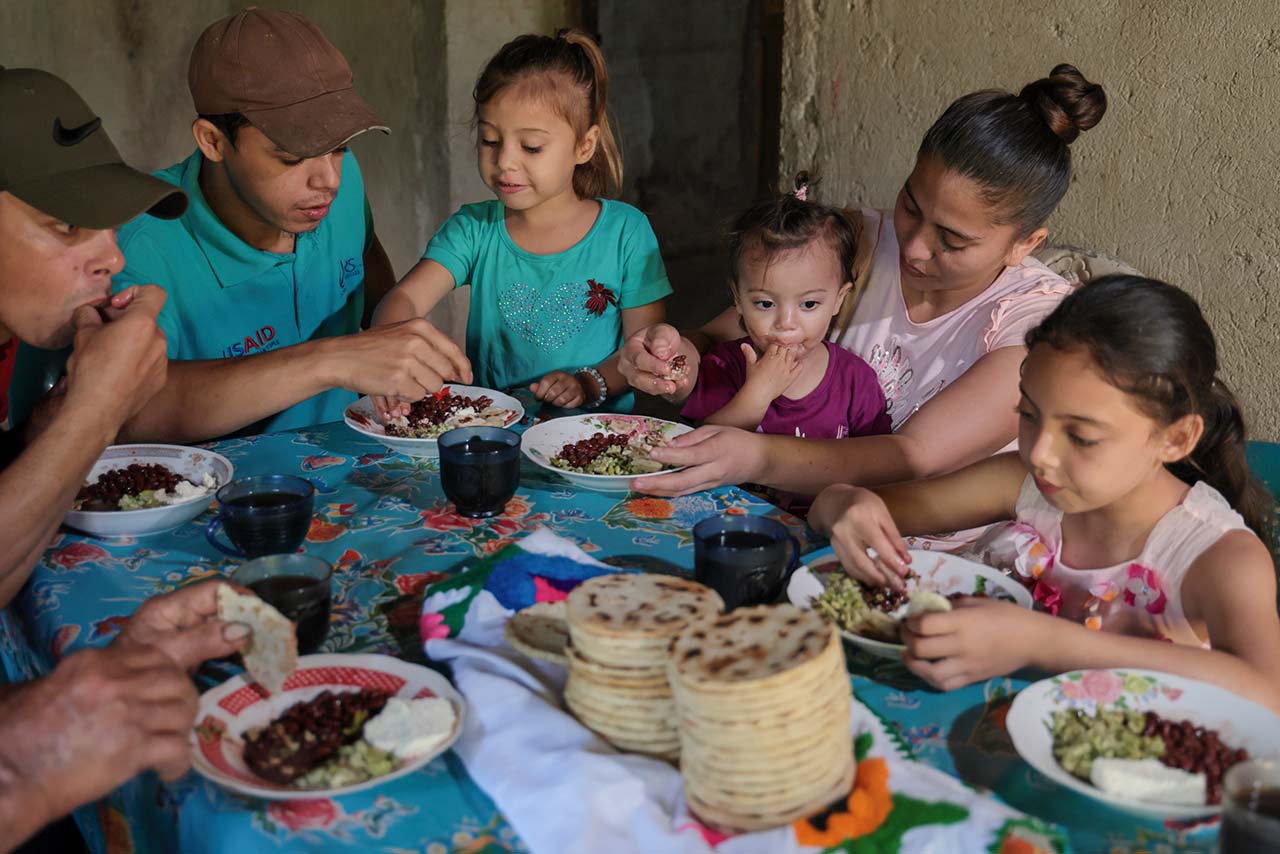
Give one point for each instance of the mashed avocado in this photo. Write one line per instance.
(354, 763)
(842, 603)
(1078, 738)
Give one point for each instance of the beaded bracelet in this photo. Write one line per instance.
(600, 384)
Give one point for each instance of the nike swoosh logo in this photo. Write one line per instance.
(74, 136)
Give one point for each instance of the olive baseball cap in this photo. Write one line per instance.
(279, 71)
(56, 156)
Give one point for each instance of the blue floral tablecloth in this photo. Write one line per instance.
(384, 523)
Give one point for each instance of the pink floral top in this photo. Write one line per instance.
(915, 361)
(1142, 597)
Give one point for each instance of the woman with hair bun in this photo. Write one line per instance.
(946, 291)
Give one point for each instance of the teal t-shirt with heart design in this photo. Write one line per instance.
(531, 314)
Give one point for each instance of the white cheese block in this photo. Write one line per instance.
(1148, 780)
(411, 727)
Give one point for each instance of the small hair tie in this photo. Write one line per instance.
(801, 191)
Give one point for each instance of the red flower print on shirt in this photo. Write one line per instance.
(1143, 590)
(599, 297)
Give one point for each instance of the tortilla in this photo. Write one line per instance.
(539, 631)
(271, 654)
(926, 601)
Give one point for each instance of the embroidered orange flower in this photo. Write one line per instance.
(493, 546)
(1013, 844)
(649, 508)
(866, 808)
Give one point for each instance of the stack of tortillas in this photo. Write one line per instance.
(620, 629)
(763, 703)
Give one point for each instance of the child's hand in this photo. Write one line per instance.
(858, 520)
(560, 389)
(772, 373)
(979, 640)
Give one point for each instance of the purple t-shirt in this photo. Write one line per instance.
(847, 402)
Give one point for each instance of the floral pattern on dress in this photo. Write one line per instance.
(1033, 561)
(1144, 590)
(1100, 594)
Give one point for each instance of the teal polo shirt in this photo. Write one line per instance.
(228, 299)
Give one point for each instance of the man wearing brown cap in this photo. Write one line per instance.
(275, 254)
(102, 715)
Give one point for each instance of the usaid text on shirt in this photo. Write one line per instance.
(263, 339)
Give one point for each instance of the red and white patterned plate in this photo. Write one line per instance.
(235, 706)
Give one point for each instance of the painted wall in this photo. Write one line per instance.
(1178, 180)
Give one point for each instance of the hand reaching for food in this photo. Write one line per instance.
(863, 535)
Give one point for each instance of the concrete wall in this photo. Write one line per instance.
(1178, 179)
(684, 95)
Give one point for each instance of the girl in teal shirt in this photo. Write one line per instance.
(558, 275)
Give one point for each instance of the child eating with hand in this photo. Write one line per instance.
(791, 268)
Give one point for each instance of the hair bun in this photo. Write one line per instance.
(1067, 101)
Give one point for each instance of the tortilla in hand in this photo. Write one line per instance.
(926, 601)
(271, 655)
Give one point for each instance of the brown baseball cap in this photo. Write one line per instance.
(280, 72)
(56, 156)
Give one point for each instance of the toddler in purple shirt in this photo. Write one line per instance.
(791, 268)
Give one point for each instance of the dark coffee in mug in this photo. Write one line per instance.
(746, 559)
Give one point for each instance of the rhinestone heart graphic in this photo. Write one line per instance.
(546, 320)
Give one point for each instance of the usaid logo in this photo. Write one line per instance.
(263, 339)
(350, 273)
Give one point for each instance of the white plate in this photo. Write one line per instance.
(943, 573)
(236, 705)
(543, 441)
(190, 463)
(1241, 723)
(361, 417)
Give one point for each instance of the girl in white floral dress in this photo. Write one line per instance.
(1135, 516)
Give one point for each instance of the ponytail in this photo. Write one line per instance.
(1219, 459)
(569, 71)
(602, 174)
